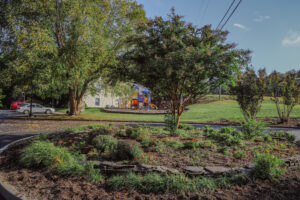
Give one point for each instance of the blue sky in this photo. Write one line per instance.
(269, 28)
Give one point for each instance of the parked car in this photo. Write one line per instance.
(16, 105)
(36, 108)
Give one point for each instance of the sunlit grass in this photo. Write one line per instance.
(215, 111)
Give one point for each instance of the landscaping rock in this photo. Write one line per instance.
(218, 170)
(113, 167)
(158, 169)
(293, 161)
(249, 166)
(194, 170)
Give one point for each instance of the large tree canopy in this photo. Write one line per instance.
(67, 45)
(179, 61)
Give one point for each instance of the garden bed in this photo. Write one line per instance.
(150, 159)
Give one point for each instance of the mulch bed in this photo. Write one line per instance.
(41, 184)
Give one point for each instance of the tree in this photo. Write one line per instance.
(285, 92)
(1, 97)
(249, 90)
(179, 61)
(66, 46)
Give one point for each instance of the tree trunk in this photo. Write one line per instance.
(74, 103)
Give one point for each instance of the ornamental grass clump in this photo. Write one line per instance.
(128, 150)
(42, 154)
(105, 143)
(174, 183)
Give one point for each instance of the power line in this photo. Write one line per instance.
(204, 11)
(231, 14)
(226, 13)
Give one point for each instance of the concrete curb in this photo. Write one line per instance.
(7, 191)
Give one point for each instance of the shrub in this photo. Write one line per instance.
(267, 166)
(128, 150)
(253, 128)
(286, 93)
(46, 155)
(249, 90)
(105, 143)
(281, 135)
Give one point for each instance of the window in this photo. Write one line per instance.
(97, 101)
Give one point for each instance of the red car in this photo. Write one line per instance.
(16, 105)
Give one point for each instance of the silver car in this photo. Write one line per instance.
(36, 108)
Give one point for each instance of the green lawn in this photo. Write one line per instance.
(220, 110)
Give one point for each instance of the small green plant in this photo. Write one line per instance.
(253, 128)
(267, 166)
(171, 123)
(228, 130)
(298, 124)
(132, 133)
(93, 174)
(146, 158)
(239, 154)
(192, 144)
(267, 138)
(82, 145)
(41, 137)
(281, 135)
(128, 150)
(186, 127)
(105, 143)
(176, 144)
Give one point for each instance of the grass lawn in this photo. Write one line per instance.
(219, 110)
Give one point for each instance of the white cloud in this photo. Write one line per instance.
(241, 26)
(262, 18)
(292, 39)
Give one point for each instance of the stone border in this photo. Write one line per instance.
(7, 191)
(114, 168)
